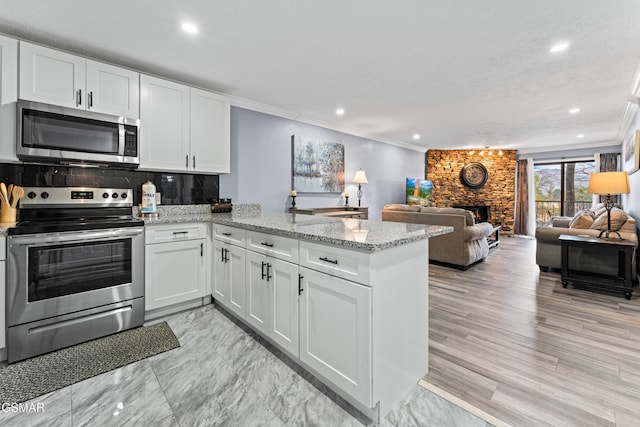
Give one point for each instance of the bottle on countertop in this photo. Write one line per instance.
(148, 199)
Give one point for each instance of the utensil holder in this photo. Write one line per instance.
(7, 213)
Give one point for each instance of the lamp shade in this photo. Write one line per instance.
(360, 178)
(604, 183)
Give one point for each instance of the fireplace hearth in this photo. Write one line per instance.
(481, 213)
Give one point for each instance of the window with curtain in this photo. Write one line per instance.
(561, 189)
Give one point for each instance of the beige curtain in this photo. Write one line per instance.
(609, 163)
(521, 225)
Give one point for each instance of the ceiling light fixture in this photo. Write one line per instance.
(580, 135)
(189, 27)
(416, 136)
(340, 111)
(574, 111)
(559, 47)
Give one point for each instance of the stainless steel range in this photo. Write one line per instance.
(75, 269)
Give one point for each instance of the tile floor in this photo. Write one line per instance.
(220, 376)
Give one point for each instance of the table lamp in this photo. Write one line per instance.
(360, 178)
(606, 184)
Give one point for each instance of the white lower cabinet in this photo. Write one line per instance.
(335, 331)
(175, 264)
(3, 337)
(272, 299)
(229, 276)
(356, 320)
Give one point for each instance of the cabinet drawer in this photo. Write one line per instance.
(348, 264)
(277, 246)
(174, 233)
(233, 235)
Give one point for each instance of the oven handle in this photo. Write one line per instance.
(73, 236)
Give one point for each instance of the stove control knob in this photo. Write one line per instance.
(31, 195)
(44, 195)
(123, 195)
(105, 195)
(114, 195)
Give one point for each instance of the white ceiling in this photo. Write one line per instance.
(463, 73)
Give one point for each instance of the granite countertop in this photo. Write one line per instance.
(366, 235)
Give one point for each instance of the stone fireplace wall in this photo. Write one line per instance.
(443, 169)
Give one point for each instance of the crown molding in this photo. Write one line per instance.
(629, 113)
(550, 148)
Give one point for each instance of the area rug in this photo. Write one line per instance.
(34, 377)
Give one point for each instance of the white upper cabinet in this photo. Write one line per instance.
(8, 97)
(113, 90)
(164, 125)
(210, 124)
(59, 78)
(183, 129)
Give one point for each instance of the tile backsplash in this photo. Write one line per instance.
(175, 188)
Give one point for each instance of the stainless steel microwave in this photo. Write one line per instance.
(49, 133)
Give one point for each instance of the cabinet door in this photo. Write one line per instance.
(112, 90)
(283, 292)
(210, 136)
(229, 282)
(8, 97)
(3, 342)
(174, 273)
(335, 332)
(51, 76)
(164, 125)
(257, 292)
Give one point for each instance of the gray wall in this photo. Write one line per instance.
(261, 165)
(631, 201)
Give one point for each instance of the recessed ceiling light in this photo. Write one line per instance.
(189, 27)
(340, 111)
(574, 111)
(559, 47)
(416, 136)
(580, 135)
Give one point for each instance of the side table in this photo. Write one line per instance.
(493, 241)
(337, 211)
(622, 282)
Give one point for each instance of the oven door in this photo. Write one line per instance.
(59, 273)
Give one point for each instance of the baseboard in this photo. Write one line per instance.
(464, 405)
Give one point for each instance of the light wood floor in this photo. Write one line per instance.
(512, 342)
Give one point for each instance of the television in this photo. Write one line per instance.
(419, 191)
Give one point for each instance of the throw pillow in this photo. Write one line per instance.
(583, 219)
(618, 218)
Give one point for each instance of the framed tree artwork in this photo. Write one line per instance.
(317, 165)
(631, 153)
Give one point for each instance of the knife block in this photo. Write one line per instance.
(7, 213)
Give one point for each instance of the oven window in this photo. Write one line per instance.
(67, 269)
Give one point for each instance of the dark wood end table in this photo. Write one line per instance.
(622, 282)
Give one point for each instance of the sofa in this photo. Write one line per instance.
(587, 222)
(466, 245)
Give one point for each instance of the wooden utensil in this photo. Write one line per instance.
(3, 193)
(17, 193)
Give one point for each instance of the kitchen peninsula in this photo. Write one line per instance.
(346, 299)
